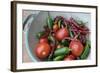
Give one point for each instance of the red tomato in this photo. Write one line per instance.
(61, 34)
(55, 27)
(76, 47)
(42, 50)
(69, 57)
(43, 40)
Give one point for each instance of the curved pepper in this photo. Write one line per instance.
(62, 51)
(86, 51)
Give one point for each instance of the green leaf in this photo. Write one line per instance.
(50, 22)
(39, 34)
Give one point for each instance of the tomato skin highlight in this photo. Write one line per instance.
(62, 33)
(42, 50)
(43, 40)
(77, 47)
(69, 57)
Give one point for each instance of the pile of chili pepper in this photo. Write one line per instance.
(63, 39)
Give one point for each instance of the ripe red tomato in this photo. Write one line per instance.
(42, 50)
(76, 47)
(69, 57)
(55, 27)
(43, 40)
(61, 34)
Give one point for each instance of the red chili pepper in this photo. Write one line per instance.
(84, 32)
(72, 21)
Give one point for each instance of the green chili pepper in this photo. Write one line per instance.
(51, 38)
(64, 43)
(59, 58)
(86, 51)
(39, 34)
(62, 51)
(50, 22)
(71, 34)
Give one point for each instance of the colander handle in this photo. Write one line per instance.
(28, 21)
